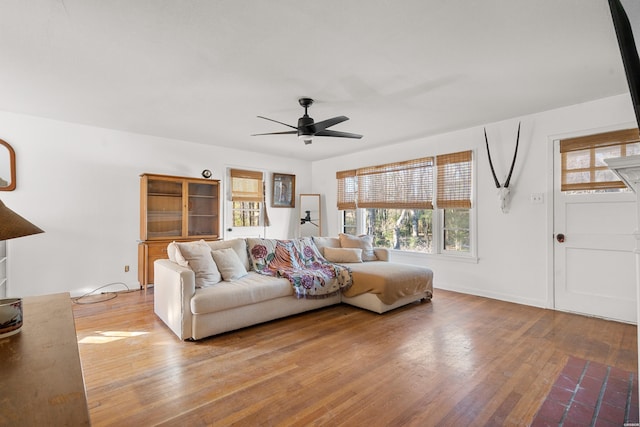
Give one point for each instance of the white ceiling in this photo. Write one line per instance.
(202, 70)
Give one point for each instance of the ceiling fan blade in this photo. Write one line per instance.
(320, 126)
(267, 118)
(338, 134)
(276, 133)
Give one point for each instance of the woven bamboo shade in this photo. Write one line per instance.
(246, 186)
(346, 189)
(398, 185)
(454, 180)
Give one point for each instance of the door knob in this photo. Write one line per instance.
(560, 238)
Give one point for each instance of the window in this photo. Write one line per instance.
(454, 198)
(456, 236)
(349, 221)
(396, 203)
(246, 214)
(247, 196)
(582, 160)
(403, 229)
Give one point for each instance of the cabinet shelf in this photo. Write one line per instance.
(202, 197)
(165, 195)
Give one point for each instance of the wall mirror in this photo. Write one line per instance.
(310, 218)
(7, 167)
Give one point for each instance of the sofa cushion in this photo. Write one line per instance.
(229, 264)
(197, 256)
(389, 281)
(251, 289)
(174, 254)
(172, 249)
(363, 242)
(238, 245)
(343, 254)
(326, 242)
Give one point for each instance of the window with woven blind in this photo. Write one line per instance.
(394, 203)
(582, 159)
(398, 185)
(246, 186)
(346, 189)
(454, 181)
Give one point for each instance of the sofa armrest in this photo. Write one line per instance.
(382, 254)
(173, 288)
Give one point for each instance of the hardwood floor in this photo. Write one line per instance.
(459, 360)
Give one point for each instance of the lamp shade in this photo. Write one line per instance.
(13, 225)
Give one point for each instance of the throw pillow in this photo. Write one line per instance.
(229, 264)
(172, 250)
(363, 242)
(343, 254)
(197, 256)
(261, 252)
(324, 242)
(238, 245)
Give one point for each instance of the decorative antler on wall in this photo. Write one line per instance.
(503, 190)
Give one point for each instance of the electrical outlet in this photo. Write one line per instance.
(126, 268)
(537, 198)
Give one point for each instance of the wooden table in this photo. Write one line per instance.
(41, 379)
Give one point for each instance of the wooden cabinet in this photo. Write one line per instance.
(174, 208)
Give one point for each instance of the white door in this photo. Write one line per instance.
(594, 265)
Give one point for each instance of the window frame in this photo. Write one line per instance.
(437, 220)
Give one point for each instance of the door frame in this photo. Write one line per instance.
(551, 186)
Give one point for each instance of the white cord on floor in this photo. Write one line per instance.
(109, 295)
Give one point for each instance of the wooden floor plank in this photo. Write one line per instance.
(458, 360)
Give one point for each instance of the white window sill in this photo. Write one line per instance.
(397, 254)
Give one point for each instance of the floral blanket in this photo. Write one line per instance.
(299, 261)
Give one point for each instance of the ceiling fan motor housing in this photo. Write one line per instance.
(305, 126)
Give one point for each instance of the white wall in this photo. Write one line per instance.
(81, 185)
(514, 249)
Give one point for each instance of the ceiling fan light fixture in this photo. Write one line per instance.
(308, 139)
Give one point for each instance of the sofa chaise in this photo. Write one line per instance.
(207, 288)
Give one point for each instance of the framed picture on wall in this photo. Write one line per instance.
(283, 191)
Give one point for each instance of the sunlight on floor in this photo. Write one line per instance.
(108, 336)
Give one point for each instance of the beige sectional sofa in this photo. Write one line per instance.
(197, 298)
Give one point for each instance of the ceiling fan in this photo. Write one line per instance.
(308, 219)
(307, 129)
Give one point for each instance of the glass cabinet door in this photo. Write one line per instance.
(164, 208)
(202, 209)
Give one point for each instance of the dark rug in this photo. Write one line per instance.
(587, 393)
